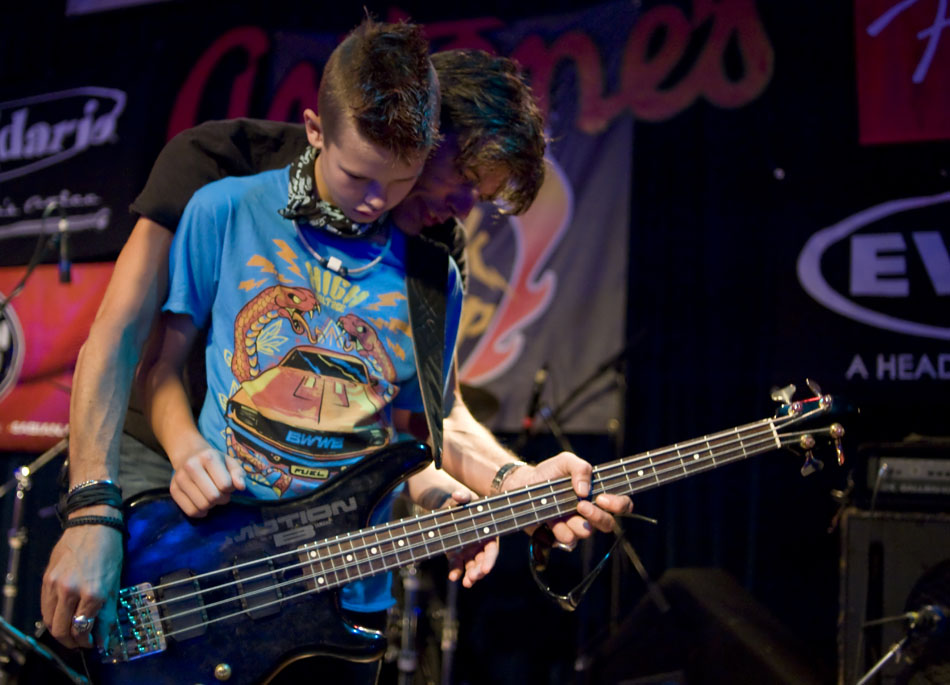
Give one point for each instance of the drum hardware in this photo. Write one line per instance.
(408, 659)
(18, 648)
(927, 621)
(450, 631)
(482, 404)
(17, 535)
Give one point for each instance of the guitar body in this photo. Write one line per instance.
(236, 595)
(248, 547)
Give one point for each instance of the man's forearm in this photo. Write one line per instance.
(100, 396)
(471, 454)
(106, 365)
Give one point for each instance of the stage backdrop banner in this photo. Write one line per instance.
(548, 289)
(41, 332)
(903, 68)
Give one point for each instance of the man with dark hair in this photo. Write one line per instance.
(80, 583)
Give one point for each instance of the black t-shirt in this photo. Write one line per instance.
(209, 152)
(238, 147)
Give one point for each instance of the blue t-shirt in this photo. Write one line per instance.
(304, 366)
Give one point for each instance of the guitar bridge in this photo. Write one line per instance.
(138, 631)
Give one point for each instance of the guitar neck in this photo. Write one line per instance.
(351, 556)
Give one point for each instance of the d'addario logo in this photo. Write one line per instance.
(11, 349)
(40, 131)
(896, 272)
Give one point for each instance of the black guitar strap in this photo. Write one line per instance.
(427, 269)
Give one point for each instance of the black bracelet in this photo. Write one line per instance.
(89, 494)
(88, 483)
(116, 523)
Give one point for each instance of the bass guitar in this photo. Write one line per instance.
(236, 595)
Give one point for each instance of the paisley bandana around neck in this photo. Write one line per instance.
(303, 204)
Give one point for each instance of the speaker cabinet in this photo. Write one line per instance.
(892, 563)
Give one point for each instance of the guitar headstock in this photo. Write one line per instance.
(802, 424)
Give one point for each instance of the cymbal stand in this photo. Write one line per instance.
(408, 659)
(17, 534)
(450, 631)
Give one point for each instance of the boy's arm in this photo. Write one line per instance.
(204, 477)
(434, 489)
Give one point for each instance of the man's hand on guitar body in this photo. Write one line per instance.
(204, 480)
(82, 579)
(597, 514)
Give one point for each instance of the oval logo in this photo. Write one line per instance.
(879, 266)
(11, 349)
(43, 130)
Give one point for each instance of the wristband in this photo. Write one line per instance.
(89, 483)
(109, 521)
(502, 474)
(88, 494)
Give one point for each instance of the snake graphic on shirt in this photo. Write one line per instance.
(271, 303)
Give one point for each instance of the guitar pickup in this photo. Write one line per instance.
(258, 589)
(182, 606)
(138, 631)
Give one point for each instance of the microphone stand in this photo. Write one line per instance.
(450, 631)
(553, 420)
(612, 364)
(17, 535)
(44, 242)
(24, 644)
(918, 625)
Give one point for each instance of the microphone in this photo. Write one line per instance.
(65, 265)
(61, 239)
(929, 618)
(540, 380)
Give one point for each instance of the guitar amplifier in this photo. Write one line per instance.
(911, 475)
(892, 562)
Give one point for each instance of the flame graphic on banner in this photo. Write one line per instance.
(536, 234)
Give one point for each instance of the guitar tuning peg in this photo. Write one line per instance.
(837, 432)
(783, 395)
(811, 464)
(813, 386)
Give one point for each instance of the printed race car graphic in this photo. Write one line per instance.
(316, 405)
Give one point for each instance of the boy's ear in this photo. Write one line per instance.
(314, 128)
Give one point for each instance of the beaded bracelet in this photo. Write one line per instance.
(109, 521)
(88, 483)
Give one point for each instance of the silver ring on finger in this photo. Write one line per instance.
(82, 624)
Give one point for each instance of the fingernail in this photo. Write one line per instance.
(583, 488)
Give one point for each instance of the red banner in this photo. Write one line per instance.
(903, 69)
(41, 332)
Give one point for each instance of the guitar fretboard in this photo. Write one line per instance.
(349, 557)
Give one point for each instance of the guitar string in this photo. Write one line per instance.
(620, 465)
(404, 531)
(309, 591)
(397, 552)
(470, 516)
(316, 589)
